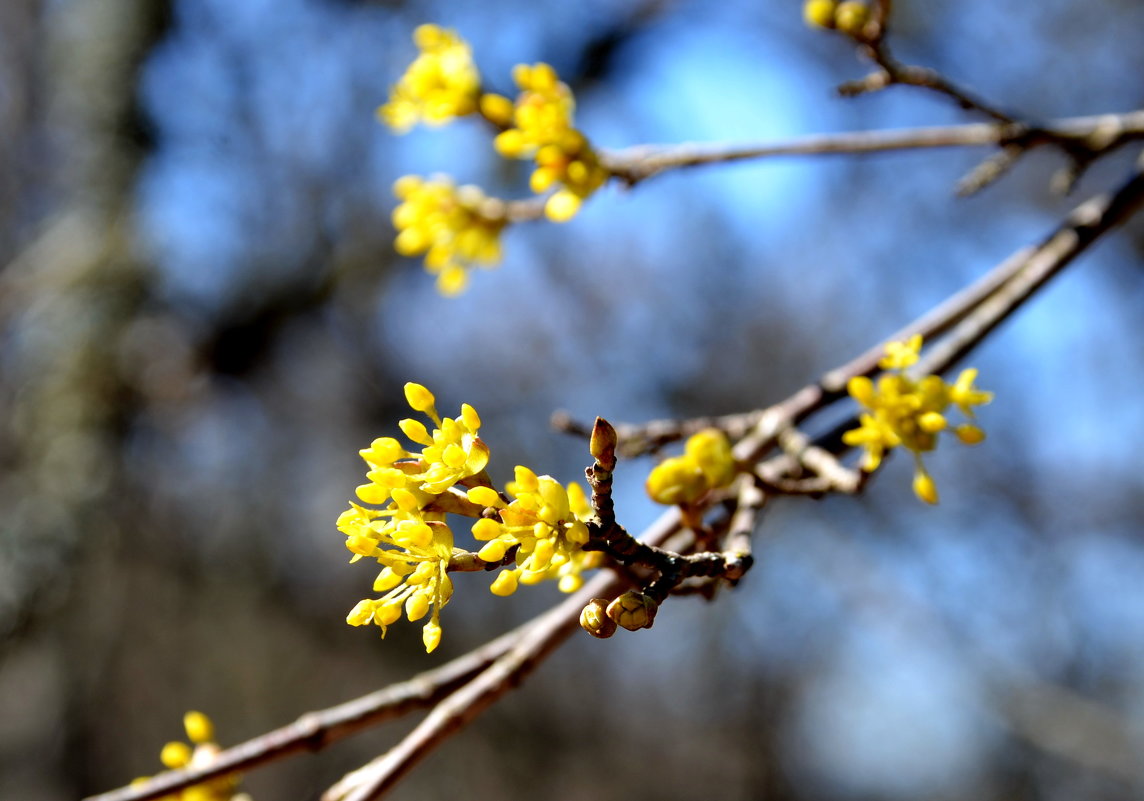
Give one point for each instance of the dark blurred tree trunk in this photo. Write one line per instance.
(66, 301)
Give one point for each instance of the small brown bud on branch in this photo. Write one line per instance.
(602, 445)
(633, 610)
(594, 619)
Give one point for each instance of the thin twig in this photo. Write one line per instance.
(891, 72)
(316, 730)
(1084, 225)
(824, 464)
(749, 503)
(991, 169)
(637, 439)
(1100, 133)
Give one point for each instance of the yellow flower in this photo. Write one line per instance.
(542, 129)
(875, 436)
(408, 536)
(546, 525)
(965, 396)
(676, 480)
(911, 413)
(415, 574)
(201, 752)
(851, 16)
(451, 453)
(455, 228)
(440, 84)
(706, 464)
(819, 13)
(900, 355)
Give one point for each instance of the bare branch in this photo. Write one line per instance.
(316, 730)
(1101, 133)
(535, 641)
(1084, 225)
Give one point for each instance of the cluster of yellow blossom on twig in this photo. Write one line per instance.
(457, 228)
(848, 16)
(901, 410)
(535, 529)
(199, 752)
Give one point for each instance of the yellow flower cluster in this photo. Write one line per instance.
(455, 227)
(911, 413)
(408, 535)
(199, 752)
(440, 84)
(706, 464)
(414, 553)
(409, 492)
(542, 129)
(545, 523)
(849, 16)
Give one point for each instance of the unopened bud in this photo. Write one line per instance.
(602, 446)
(924, 487)
(633, 610)
(419, 398)
(819, 13)
(851, 17)
(199, 727)
(676, 480)
(594, 619)
(711, 451)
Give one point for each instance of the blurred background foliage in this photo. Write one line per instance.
(202, 320)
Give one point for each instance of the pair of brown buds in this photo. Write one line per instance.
(633, 610)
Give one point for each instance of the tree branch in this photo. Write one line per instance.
(535, 641)
(1100, 133)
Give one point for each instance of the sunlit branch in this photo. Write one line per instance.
(1100, 133)
(532, 643)
(1084, 225)
(316, 730)
(891, 71)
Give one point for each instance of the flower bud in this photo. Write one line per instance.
(175, 755)
(851, 17)
(676, 480)
(594, 619)
(602, 446)
(970, 434)
(419, 398)
(505, 583)
(497, 109)
(199, 727)
(633, 610)
(431, 636)
(925, 488)
(819, 13)
(711, 451)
